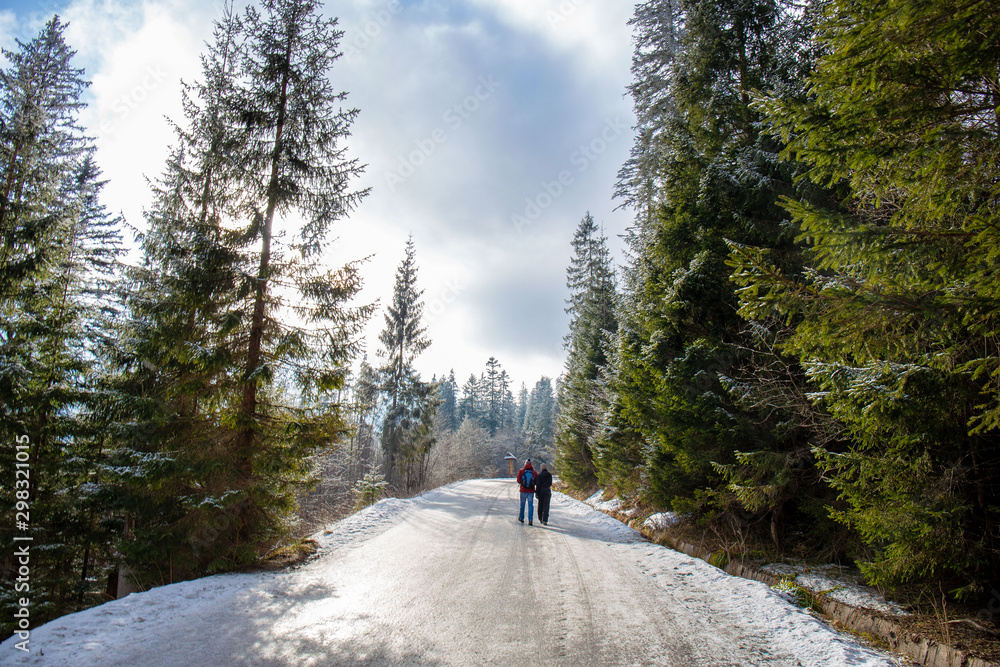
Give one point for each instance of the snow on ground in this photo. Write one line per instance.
(373, 520)
(837, 583)
(181, 607)
(761, 609)
(177, 609)
(661, 520)
(596, 501)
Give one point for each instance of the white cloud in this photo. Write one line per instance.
(560, 83)
(8, 27)
(136, 70)
(477, 153)
(594, 32)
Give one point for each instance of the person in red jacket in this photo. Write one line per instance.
(526, 479)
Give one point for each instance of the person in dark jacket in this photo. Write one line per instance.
(527, 485)
(543, 490)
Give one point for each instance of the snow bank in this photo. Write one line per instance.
(763, 610)
(612, 505)
(837, 583)
(369, 522)
(834, 581)
(595, 501)
(661, 521)
(94, 635)
(605, 527)
(758, 609)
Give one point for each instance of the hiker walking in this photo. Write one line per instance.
(526, 479)
(543, 489)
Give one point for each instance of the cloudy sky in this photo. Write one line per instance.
(488, 127)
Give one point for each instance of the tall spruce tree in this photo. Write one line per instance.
(539, 418)
(177, 357)
(292, 160)
(40, 104)
(225, 390)
(718, 178)
(658, 27)
(593, 327)
(469, 405)
(365, 442)
(411, 404)
(58, 251)
(521, 408)
(508, 407)
(448, 412)
(492, 387)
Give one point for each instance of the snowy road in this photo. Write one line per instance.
(452, 578)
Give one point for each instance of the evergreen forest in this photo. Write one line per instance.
(796, 354)
(800, 356)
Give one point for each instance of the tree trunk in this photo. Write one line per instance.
(245, 443)
(8, 186)
(776, 520)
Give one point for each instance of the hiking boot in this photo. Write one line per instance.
(521, 520)
(530, 524)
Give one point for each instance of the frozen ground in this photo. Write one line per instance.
(835, 581)
(451, 578)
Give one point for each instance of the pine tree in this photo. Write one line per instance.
(58, 253)
(40, 103)
(658, 34)
(225, 391)
(469, 405)
(521, 409)
(507, 406)
(593, 326)
(178, 356)
(492, 388)
(292, 160)
(367, 395)
(895, 314)
(539, 419)
(406, 439)
(719, 176)
(448, 412)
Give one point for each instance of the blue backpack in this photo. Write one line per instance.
(528, 480)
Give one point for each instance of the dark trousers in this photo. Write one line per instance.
(544, 497)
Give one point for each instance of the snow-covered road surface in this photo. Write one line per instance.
(451, 578)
